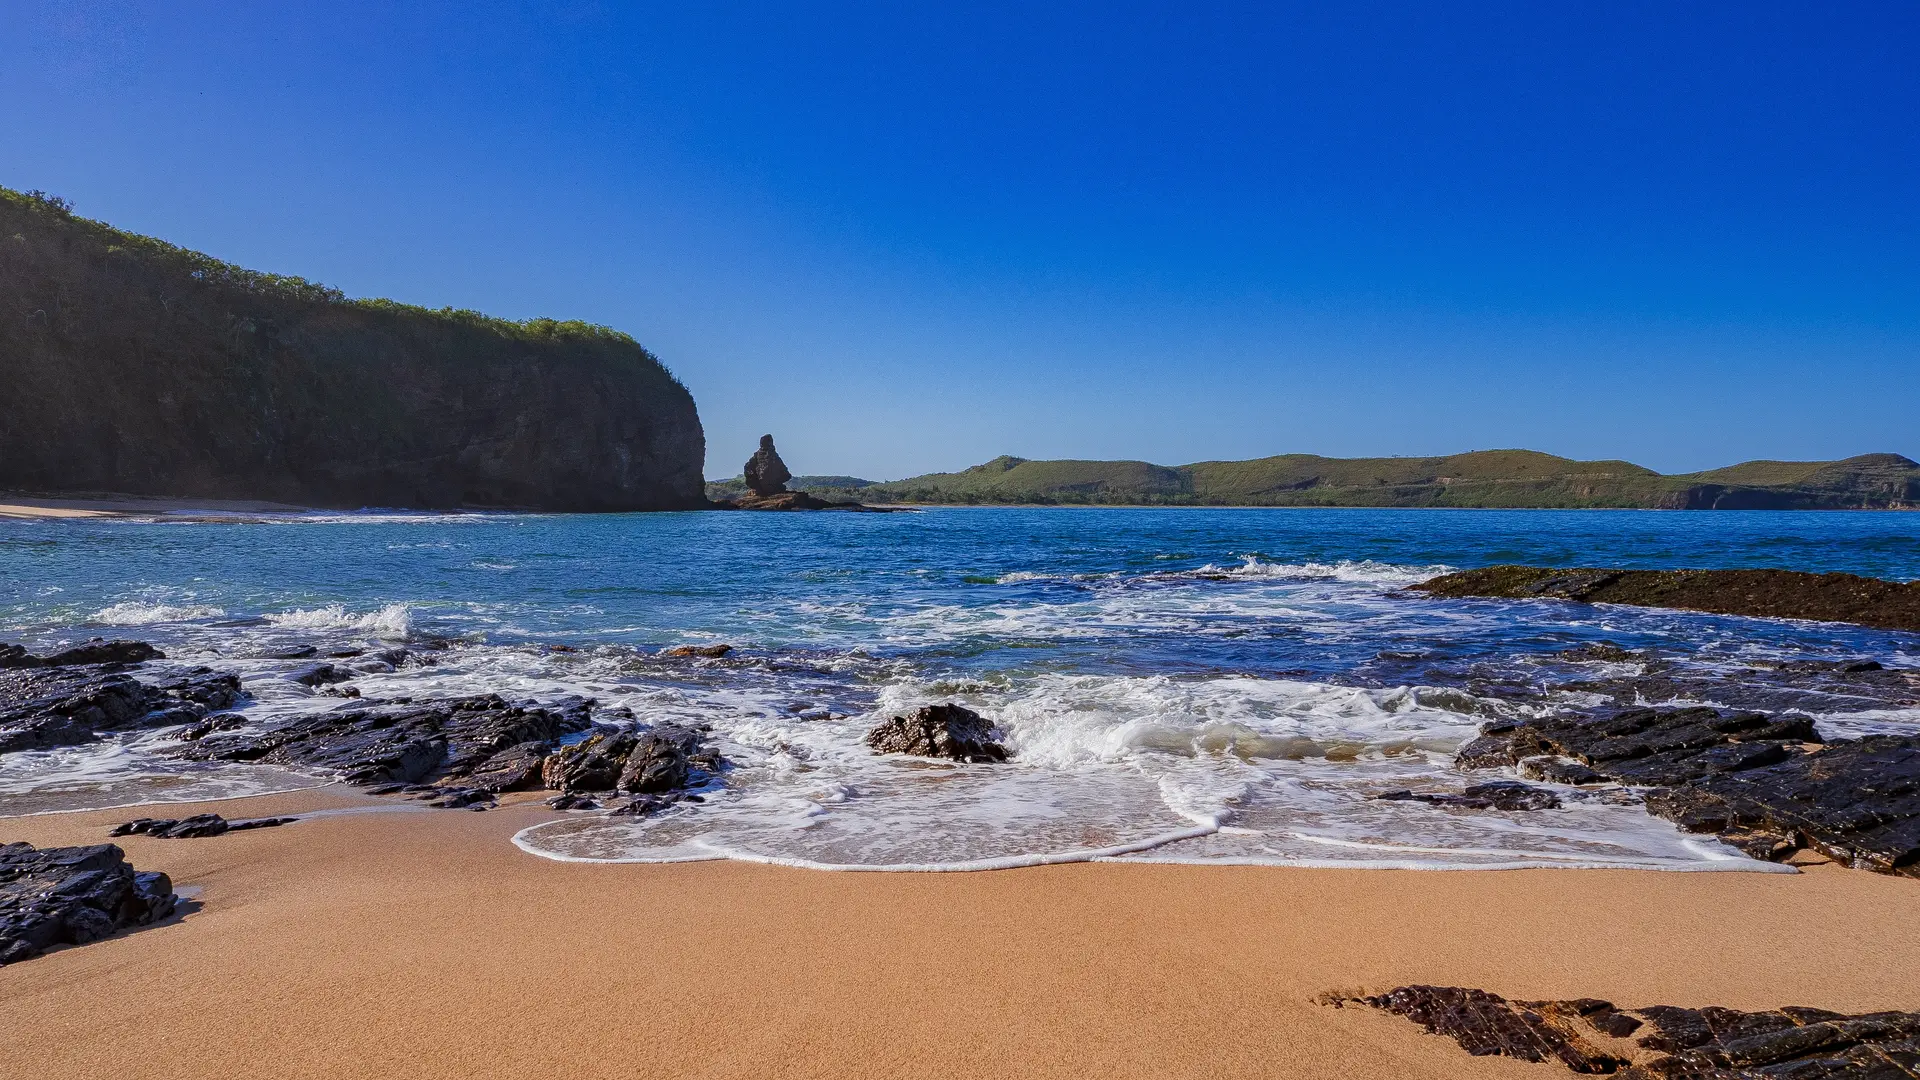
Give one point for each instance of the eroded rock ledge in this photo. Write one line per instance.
(1591, 1036)
(1780, 594)
(73, 895)
(1764, 783)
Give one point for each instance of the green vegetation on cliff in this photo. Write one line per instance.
(134, 366)
(1486, 478)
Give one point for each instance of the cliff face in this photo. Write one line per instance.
(132, 366)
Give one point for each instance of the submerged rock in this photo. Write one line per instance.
(1588, 1036)
(765, 473)
(71, 896)
(1493, 795)
(944, 731)
(709, 652)
(1763, 783)
(199, 825)
(48, 701)
(1781, 594)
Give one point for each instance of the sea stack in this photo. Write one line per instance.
(766, 474)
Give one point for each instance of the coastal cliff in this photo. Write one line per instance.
(133, 366)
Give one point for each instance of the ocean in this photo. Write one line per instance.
(1189, 685)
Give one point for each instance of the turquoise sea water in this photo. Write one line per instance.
(1191, 684)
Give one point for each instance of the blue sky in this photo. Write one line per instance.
(903, 239)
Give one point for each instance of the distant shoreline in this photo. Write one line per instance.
(127, 507)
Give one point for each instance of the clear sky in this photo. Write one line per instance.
(905, 240)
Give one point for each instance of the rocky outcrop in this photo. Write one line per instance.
(944, 731)
(71, 896)
(765, 473)
(1591, 1036)
(458, 751)
(655, 761)
(1780, 594)
(194, 827)
(800, 500)
(74, 696)
(1761, 782)
(137, 367)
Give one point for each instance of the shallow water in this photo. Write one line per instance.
(1180, 684)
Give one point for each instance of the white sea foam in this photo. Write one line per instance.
(391, 621)
(1365, 571)
(135, 613)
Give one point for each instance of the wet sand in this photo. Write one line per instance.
(425, 945)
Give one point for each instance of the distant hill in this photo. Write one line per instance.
(132, 366)
(1484, 478)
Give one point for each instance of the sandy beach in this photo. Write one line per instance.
(112, 506)
(424, 944)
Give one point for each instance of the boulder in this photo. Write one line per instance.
(71, 896)
(96, 651)
(766, 474)
(944, 731)
(709, 652)
(656, 760)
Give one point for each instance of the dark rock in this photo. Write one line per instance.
(593, 764)
(1784, 594)
(199, 825)
(573, 802)
(71, 896)
(710, 652)
(1761, 782)
(765, 473)
(1605, 652)
(1687, 1044)
(641, 806)
(1493, 795)
(663, 758)
(1559, 771)
(46, 705)
(97, 651)
(1486, 1024)
(483, 742)
(320, 675)
(944, 731)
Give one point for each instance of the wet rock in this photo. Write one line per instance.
(1604, 652)
(484, 742)
(944, 731)
(593, 764)
(1763, 783)
(71, 896)
(1493, 795)
(45, 705)
(765, 473)
(320, 675)
(663, 758)
(573, 802)
(197, 826)
(1675, 1043)
(1784, 594)
(1559, 771)
(642, 806)
(97, 651)
(710, 652)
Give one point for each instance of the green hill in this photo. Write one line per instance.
(133, 366)
(1485, 478)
